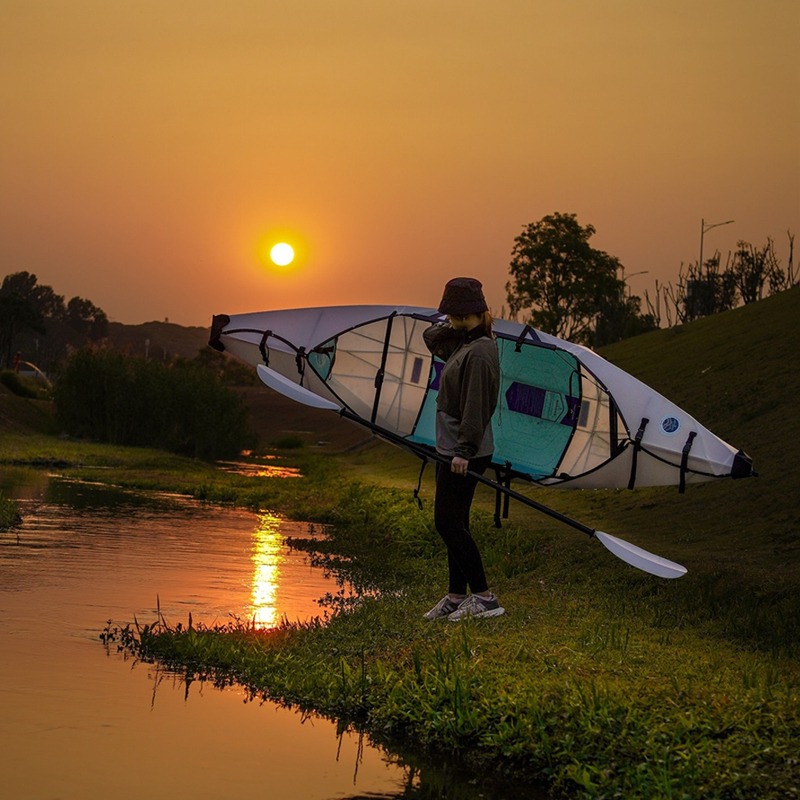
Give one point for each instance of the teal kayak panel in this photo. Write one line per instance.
(538, 407)
(322, 358)
(537, 411)
(425, 429)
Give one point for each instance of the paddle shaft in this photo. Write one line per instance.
(424, 453)
(631, 554)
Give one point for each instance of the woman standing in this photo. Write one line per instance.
(468, 388)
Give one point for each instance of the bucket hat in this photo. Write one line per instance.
(463, 296)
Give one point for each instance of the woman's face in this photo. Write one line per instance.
(466, 323)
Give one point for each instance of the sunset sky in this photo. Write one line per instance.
(150, 151)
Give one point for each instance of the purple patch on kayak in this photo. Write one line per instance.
(537, 402)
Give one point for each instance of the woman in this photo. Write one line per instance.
(468, 388)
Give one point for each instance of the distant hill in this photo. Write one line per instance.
(160, 340)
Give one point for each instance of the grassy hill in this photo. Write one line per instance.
(739, 374)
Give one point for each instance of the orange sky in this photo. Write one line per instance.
(147, 147)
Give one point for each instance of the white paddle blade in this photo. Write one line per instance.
(293, 390)
(639, 558)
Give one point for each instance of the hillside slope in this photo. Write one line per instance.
(738, 373)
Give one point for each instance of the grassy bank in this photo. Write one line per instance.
(600, 681)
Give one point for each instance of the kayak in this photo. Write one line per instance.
(566, 417)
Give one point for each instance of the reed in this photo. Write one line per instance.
(181, 407)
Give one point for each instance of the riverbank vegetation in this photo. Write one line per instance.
(601, 681)
(182, 407)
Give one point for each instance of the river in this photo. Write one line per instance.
(81, 720)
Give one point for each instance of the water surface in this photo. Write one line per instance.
(79, 723)
(83, 721)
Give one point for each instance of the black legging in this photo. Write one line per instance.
(452, 504)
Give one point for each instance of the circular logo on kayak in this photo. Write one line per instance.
(670, 425)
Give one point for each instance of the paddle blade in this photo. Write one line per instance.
(293, 390)
(639, 558)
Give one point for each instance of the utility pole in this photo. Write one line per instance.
(703, 230)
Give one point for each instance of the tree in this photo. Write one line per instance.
(87, 319)
(35, 321)
(564, 283)
(708, 290)
(753, 268)
(620, 318)
(19, 312)
(44, 300)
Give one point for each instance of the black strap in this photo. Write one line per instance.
(637, 446)
(521, 338)
(501, 503)
(299, 360)
(419, 481)
(498, 499)
(382, 369)
(685, 461)
(262, 346)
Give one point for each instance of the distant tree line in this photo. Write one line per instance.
(38, 323)
(564, 286)
(184, 406)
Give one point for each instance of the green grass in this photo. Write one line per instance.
(601, 681)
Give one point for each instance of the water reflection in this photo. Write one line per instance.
(251, 470)
(268, 555)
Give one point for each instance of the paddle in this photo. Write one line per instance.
(629, 553)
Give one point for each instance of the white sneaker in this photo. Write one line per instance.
(478, 607)
(444, 608)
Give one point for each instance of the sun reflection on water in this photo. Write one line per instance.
(268, 554)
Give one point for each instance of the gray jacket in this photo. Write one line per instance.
(469, 383)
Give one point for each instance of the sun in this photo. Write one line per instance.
(282, 254)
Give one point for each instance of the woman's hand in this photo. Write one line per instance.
(459, 465)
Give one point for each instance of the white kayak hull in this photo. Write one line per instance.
(566, 416)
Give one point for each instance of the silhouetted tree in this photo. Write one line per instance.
(87, 319)
(566, 286)
(708, 290)
(36, 321)
(17, 314)
(620, 318)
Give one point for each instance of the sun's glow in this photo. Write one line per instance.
(282, 254)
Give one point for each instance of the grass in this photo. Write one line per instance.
(9, 513)
(600, 681)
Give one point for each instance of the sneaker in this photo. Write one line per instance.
(478, 607)
(444, 608)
